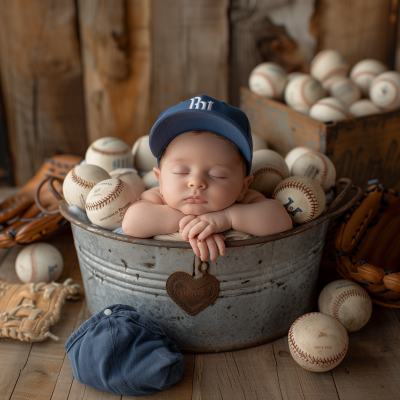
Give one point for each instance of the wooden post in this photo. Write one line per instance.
(42, 81)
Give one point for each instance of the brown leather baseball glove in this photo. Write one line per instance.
(368, 244)
(27, 311)
(33, 213)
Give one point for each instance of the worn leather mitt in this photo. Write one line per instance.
(33, 213)
(27, 311)
(368, 244)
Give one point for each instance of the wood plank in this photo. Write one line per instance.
(368, 29)
(116, 57)
(298, 383)
(244, 374)
(6, 168)
(184, 64)
(41, 78)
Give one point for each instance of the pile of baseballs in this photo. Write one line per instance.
(302, 181)
(319, 341)
(329, 92)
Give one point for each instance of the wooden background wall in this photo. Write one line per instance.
(72, 71)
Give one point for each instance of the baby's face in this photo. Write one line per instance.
(201, 173)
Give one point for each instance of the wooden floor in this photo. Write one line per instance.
(370, 370)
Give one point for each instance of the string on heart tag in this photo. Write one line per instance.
(190, 294)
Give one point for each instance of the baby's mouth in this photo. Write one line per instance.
(195, 200)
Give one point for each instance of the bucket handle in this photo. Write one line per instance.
(331, 212)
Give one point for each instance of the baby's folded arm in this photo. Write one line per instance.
(149, 216)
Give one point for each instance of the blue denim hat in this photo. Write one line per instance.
(203, 113)
(120, 351)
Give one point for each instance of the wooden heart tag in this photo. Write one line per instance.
(192, 295)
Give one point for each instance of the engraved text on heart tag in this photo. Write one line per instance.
(192, 295)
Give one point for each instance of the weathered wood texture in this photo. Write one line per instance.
(361, 148)
(6, 175)
(358, 29)
(42, 81)
(190, 51)
(115, 40)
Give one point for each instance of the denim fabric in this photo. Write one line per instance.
(124, 353)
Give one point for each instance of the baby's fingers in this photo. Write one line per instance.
(219, 240)
(212, 246)
(193, 243)
(202, 245)
(185, 224)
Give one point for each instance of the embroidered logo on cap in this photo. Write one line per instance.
(197, 103)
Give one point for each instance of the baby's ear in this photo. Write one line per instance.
(246, 183)
(157, 171)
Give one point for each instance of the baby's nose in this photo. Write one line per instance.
(197, 182)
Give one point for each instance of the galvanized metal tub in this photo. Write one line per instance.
(265, 283)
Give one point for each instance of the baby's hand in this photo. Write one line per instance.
(203, 226)
(213, 243)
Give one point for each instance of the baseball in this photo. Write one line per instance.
(346, 301)
(345, 90)
(258, 142)
(302, 197)
(143, 159)
(268, 80)
(318, 342)
(302, 92)
(294, 154)
(269, 169)
(293, 75)
(384, 90)
(108, 202)
(80, 181)
(129, 176)
(39, 262)
(316, 166)
(329, 109)
(328, 63)
(150, 180)
(364, 72)
(109, 153)
(363, 107)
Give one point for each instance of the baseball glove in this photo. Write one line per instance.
(27, 311)
(33, 213)
(368, 244)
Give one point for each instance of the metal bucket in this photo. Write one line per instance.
(265, 283)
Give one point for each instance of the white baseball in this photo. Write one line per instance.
(385, 90)
(39, 262)
(316, 166)
(143, 159)
(327, 63)
(294, 154)
(302, 197)
(268, 80)
(109, 153)
(329, 109)
(129, 176)
(302, 92)
(259, 143)
(345, 90)
(269, 169)
(80, 181)
(108, 202)
(346, 301)
(363, 107)
(293, 75)
(150, 180)
(364, 72)
(318, 342)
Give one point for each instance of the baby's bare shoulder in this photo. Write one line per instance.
(152, 195)
(252, 196)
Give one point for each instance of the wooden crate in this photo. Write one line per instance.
(361, 148)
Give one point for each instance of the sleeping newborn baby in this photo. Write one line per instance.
(204, 152)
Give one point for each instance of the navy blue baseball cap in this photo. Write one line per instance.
(203, 113)
(120, 351)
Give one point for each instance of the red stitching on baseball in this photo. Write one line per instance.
(33, 262)
(395, 89)
(81, 182)
(97, 205)
(302, 91)
(316, 60)
(343, 297)
(333, 72)
(355, 76)
(268, 80)
(271, 169)
(303, 188)
(321, 362)
(338, 78)
(333, 107)
(109, 153)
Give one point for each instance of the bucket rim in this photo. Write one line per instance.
(331, 212)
